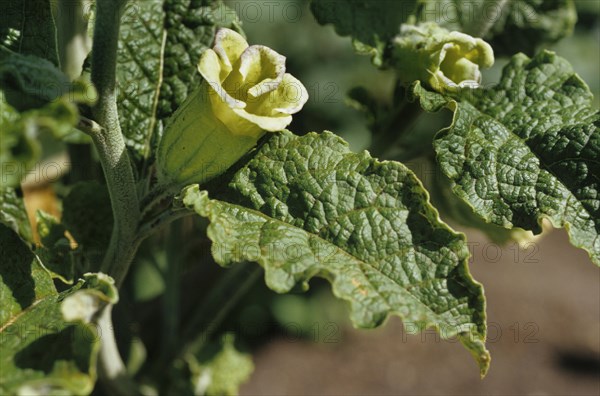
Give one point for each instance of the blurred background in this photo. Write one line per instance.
(543, 294)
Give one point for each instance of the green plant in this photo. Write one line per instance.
(186, 163)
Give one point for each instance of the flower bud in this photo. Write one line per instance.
(245, 94)
(443, 60)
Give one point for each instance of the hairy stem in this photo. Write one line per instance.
(110, 363)
(107, 137)
(110, 143)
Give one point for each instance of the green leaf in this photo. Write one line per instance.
(371, 24)
(24, 280)
(139, 72)
(528, 149)
(429, 101)
(224, 373)
(35, 97)
(307, 206)
(88, 216)
(31, 82)
(19, 149)
(160, 46)
(455, 209)
(13, 213)
(55, 252)
(509, 26)
(529, 24)
(41, 352)
(29, 28)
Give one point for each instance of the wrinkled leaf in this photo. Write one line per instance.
(13, 213)
(528, 149)
(528, 25)
(509, 26)
(41, 352)
(308, 206)
(55, 252)
(87, 215)
(371, 24)
(140, 68)
(160, 46)
(29, 28)
(455, 209)
(223, 373)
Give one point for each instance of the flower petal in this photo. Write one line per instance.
(210, 67)
(289, 98)
(445, 60)
(241, 122)
(229, 45)
(293, 93)
(258, 71)
(266, 123)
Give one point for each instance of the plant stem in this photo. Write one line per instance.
(223, 297)
(110, 143)
(147, 228)
(107, 137)
(404, 115)
(171, 297)
(110, 363)
(154, 197)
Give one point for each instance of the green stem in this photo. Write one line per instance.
(402, 118)
(149, 227)
(110, 143)
(110, 363)
(171, 307)
(107, 137)
(222, 298)
(153, 198)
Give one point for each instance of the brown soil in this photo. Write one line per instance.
(544, 319)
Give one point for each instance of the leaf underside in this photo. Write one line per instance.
(308, 206)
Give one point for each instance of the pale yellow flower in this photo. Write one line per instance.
(246, 93)
(250, 90)
(443, 60)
